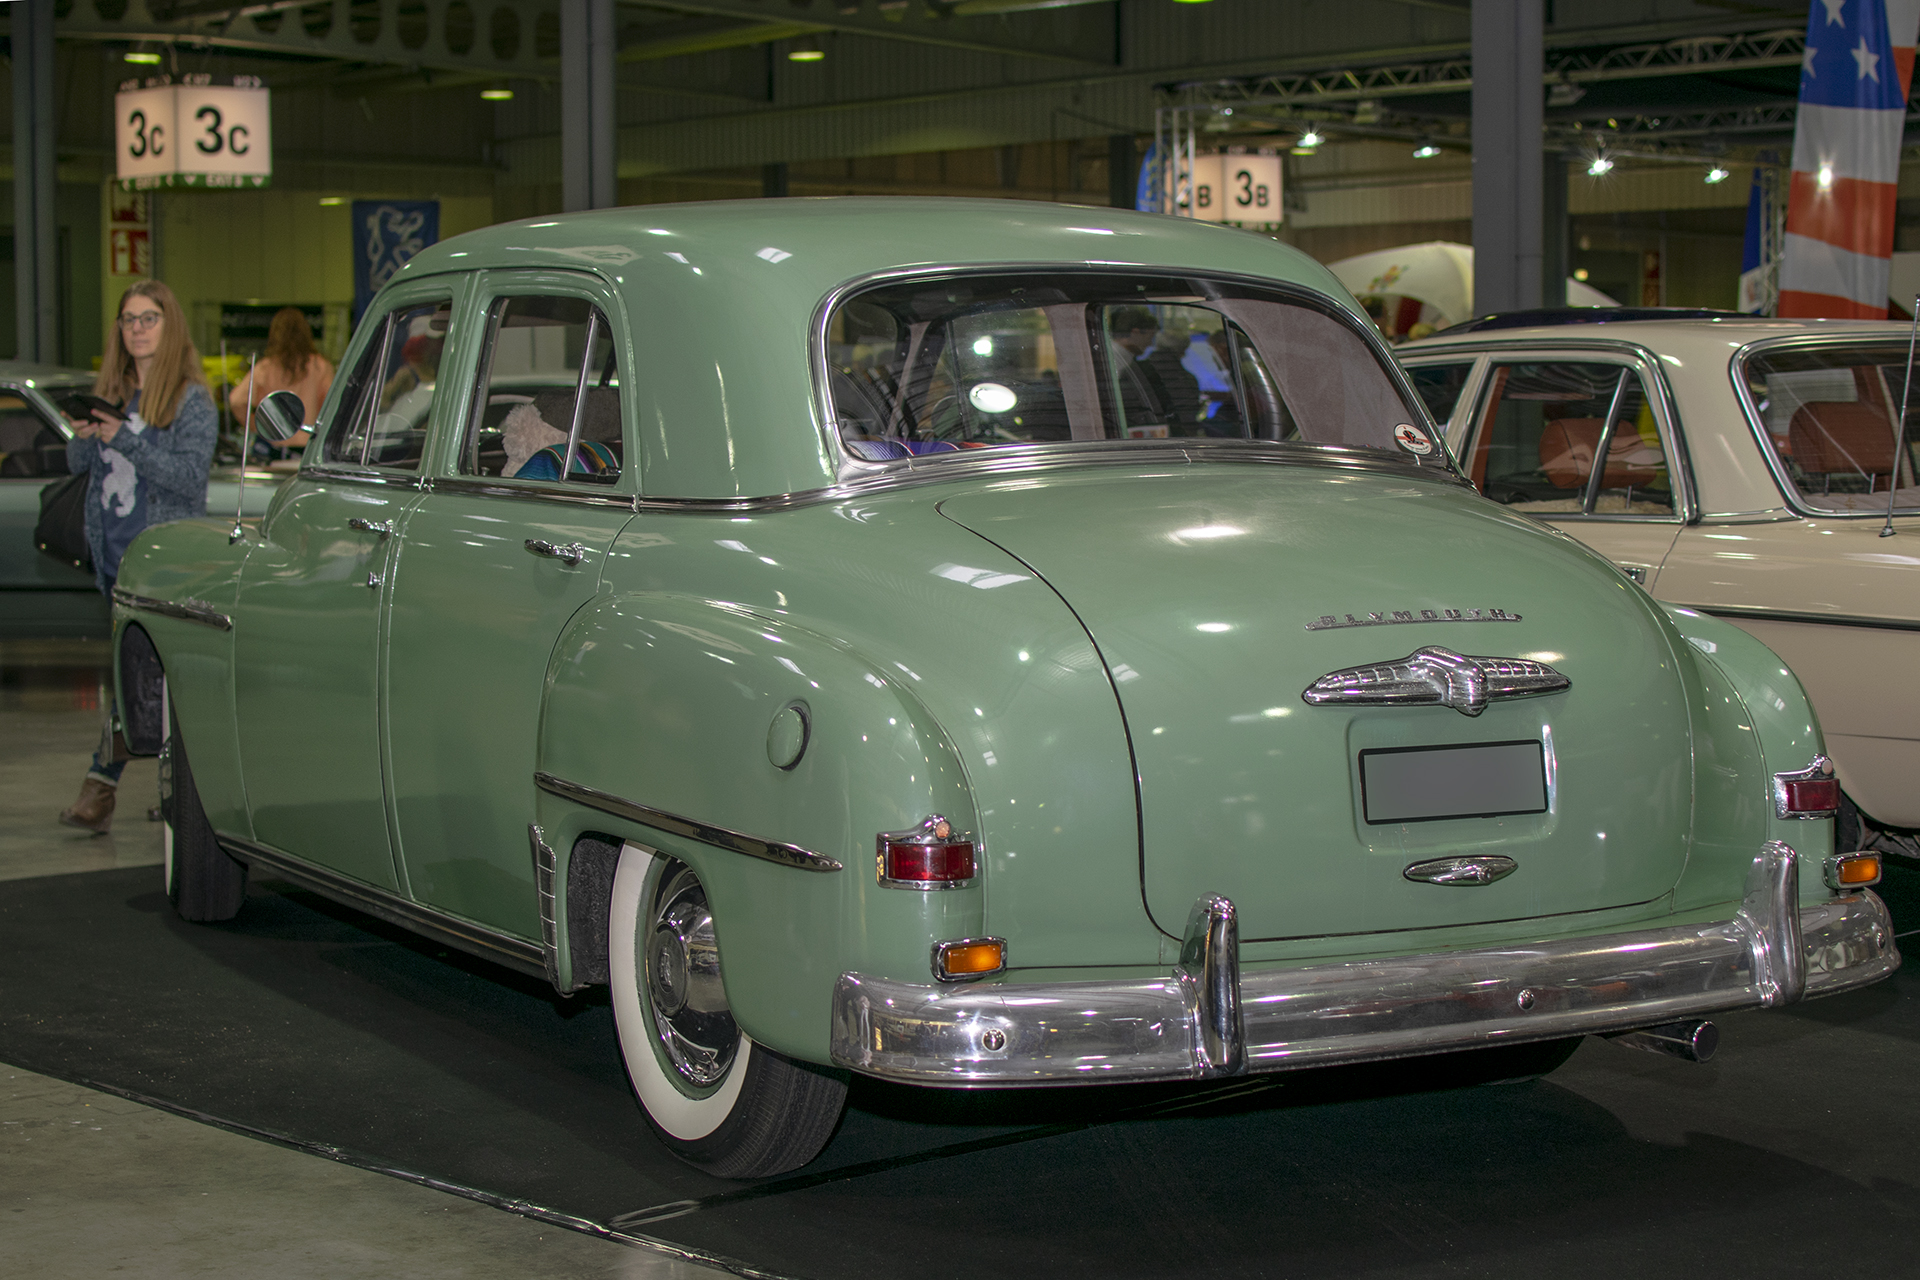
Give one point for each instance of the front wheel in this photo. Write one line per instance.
(203, 882)
(717, 1099)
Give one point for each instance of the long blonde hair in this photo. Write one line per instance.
(175, 367)
(290, 342)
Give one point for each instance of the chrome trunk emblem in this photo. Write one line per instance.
(1437, 677)
(1480, 869)
(1328, 621)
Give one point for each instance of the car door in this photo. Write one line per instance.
(1582, 440)
(307, 651)
(502, 550)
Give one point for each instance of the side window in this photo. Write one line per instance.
(549, 402)
(1542, 427)
(383, 417)
(29, 448)
(1439, 386)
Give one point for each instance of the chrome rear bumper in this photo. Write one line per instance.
(1206, 1019)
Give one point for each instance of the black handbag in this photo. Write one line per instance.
(62, 529)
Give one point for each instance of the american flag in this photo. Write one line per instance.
(1846, 157)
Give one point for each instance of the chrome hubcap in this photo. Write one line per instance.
(690, 1013)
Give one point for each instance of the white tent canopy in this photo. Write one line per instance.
(1438, 273)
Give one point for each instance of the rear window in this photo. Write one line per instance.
(947, 366)
(1828, 414)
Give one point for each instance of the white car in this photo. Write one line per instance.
(1748, 464)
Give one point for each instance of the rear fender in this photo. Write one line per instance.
(1751, 720)
(666, 701)
(185, 562)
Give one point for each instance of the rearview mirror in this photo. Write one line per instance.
(278, 417)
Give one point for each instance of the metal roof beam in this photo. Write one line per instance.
(918, 24)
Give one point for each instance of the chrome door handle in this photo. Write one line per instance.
(382, 527)
(571, 553)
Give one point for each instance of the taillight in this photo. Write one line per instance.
(931, 856)
(1812, 792)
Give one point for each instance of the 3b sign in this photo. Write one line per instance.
(196, 134)
(1242, 189)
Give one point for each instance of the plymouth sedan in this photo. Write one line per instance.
(1754, 471)
(1071, 658)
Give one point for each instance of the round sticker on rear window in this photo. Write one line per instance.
(1413, 439)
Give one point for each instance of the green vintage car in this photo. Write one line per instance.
(968, 644)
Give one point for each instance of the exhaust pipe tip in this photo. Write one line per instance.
(1693, 1041)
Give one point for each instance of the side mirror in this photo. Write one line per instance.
(278, 417)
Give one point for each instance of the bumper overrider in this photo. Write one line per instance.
(1207, 1019)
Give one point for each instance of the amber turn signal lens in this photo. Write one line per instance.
(1863, 869)
(968, 958)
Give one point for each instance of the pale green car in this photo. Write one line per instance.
(973, 644)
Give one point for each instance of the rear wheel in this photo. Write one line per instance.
(717, 1099)
(203, 883)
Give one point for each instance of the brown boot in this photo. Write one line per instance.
(93, 811)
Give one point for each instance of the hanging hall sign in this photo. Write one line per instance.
(193, 134)
(1239, 189)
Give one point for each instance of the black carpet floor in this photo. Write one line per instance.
(1794, 1152)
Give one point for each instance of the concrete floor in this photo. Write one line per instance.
(91, 1183)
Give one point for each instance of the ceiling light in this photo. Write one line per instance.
(1718, 174)
(143, 56)
(1310, 139)
(1580, 274)
(332, 200)
(497, 95)
(1826, 176)
(806, 49)
(1600, 167)
(1425, 151)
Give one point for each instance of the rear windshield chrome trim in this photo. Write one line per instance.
(186, 610)
(529, 493)
(847, 463)
(787, 855)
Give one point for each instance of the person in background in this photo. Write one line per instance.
(290, 364)
(143, 467)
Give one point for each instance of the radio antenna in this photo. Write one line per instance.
(1900, 426)
(239, 530)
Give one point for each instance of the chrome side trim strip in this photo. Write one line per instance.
(186, 610)
(1771, 952)
(329, 471)
(529, 493)
(1731, 611)
(382, 904)
(787, 855)
(544, 864)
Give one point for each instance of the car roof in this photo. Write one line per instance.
(1539, 316)
(1724, 330)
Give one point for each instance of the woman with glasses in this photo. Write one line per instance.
(146, 464)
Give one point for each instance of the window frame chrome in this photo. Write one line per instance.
(1757, 430)
(1667, 419)
(848, 466)
(457, 288)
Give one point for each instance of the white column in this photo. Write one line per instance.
(587, 104)
(1509, 110)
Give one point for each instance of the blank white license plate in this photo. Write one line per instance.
(1425, 784)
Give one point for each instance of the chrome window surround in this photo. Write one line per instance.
(924, 833)
(1830, 871)
(186, 610)
(941, 950)
(1666, 411)
(1790, 492)
(851, 467)
(1206, 1019)
(1820, 770)
(787, 855)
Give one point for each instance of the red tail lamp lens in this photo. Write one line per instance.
(932, 863)
(1812, 795)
